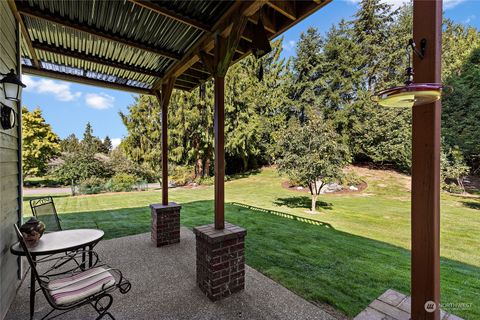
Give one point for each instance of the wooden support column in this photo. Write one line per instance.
(425, 269)
(163, 98)
(224, 52)
(219, 129)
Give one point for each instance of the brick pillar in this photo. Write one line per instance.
(220, 260)
(165, 223)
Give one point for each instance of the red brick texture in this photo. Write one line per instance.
(220, 260)
(165, 223)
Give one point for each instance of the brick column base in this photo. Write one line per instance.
(165, 223)
(220, 260)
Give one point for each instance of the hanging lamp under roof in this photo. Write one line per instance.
(411, 94)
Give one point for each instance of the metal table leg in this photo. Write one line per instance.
(32, 290)
(84, 260)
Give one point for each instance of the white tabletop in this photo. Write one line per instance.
(61, 241)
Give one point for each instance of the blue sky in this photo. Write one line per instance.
(69, 106)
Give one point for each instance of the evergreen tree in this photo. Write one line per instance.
(90, 142)
(143, 142)
(70, 144)
(306, 71)
(106, 145)
(461, 110)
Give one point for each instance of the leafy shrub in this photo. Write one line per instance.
(206, 181)
(182, 175)
(122, 182)
(92, 185)
(452, 188)
(141, 185)
(351, 179)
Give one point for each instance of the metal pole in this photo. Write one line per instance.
(425, 269)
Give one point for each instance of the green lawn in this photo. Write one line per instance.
(347, 255)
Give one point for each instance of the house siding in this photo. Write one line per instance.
(10, 173)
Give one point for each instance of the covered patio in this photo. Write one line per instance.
(153, 47)
(165, 288)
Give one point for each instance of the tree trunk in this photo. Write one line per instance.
(314, 203)
(245, 163)
(199, 168)
(206, 169)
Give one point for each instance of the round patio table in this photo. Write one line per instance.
(58, 242)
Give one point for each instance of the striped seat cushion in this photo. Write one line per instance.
(75, 288)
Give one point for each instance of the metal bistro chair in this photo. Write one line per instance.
(76, 288)
(44, 209)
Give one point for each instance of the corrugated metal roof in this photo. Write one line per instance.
(120, 18)
(134, 43)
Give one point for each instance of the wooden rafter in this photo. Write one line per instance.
(87, 57)
(206, 42)
(284, 7)
(44, 15)
(172, 14)
(26, 36)
(82, 80)
(269, 22)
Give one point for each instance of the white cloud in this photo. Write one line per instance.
(289, 45)
(447, 4)
(99, 100)
(58, 89)
(469, 19)
(116, 142)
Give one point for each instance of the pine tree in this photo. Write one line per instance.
(461, 110)
(143, 142)
(106, 145)
(70, 144)
(306, 71)
(90, 142)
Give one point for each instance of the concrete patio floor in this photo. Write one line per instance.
(164, 287)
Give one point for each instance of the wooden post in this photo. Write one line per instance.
(224, 51)
(164, 150)
(425, 269)
(219, 125)
(163, 98)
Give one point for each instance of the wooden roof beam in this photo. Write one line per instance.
(82, 80)
(44, 15)
(303, 10)
(284, 7)
(172, 15)
(26, 36)
(206, 42)
(79, 55)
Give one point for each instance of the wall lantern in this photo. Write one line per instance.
(411, 94)
(7, 117)
(12, 86)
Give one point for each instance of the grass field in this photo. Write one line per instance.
(346, 255)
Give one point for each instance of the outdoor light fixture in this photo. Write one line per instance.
(12, 86)
(7, 117)
(411, 94)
